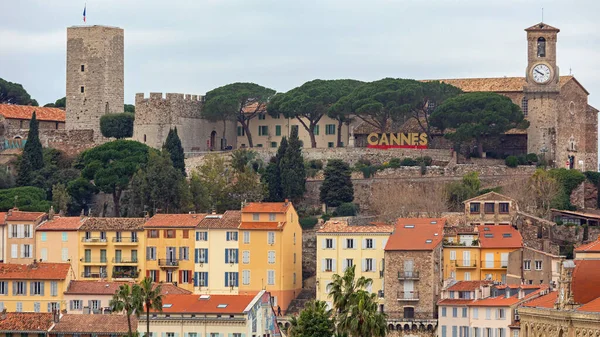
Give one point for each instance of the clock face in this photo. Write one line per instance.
(541, 73)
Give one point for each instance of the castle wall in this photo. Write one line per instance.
(571, 125)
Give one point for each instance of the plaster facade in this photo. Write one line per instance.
(212, 245)
(531, 266)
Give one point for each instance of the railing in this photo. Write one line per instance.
(125, 274)
(465, 263)
(496, 264)
(408, 295)
(125, 239)
(168, 262)
(403, 275)
(93, 240)
(94, 275)
(94, 260)
(125, 260)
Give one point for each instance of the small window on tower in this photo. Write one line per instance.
(82, 89)
(541, 45)
(82, 67)
(524, 106)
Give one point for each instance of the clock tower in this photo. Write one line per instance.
(541, 90)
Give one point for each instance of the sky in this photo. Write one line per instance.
(193, 46)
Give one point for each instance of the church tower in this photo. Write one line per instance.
(541, 90)
(95, 72)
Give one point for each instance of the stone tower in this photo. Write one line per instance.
(95, 72)
(541, 90)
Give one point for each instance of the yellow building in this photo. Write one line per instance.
(340, 244)
(271, 247)
(482, 254)
(216, 254)
(111, 248)
(170, 241)
(20, 229)
(57, 240)
(35, 287)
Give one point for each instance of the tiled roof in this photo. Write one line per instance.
(489, 196)
(590, 247)
(499, 236)
(26, 321)
(494, 84)
(2, 218)
(588, 215)
(251, 108)
(95, 324)
(262, 225)
(545, 301)
(112, 224)
(266, 207)
(468, 285)
(591, 306)
(227, 220)
(416, 234)
(454, 301)
(109, 288)
(215, 304)
(341, 226)
(585, 281)
(16, 215)
(61, 223)
(174, 220)
(37, 271)
(25, 112)
(500, 301)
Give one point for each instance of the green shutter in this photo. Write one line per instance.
(277, 130)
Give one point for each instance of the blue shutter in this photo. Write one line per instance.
(206, 255)
(228, 236)
(196, 255)
(226, 279)
(237, 279)
(226, 255)
(196, 279)
(197, 236)
(236, 255)
(206, 279)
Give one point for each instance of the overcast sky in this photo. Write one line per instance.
(192, 46)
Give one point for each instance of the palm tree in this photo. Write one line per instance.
(362, 317)
(128, 300)
(342, 288)
(151, 298)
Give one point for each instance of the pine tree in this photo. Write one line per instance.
(25, 176)
(173, 145)
(337, 186)
(33, 146)
(293, 175)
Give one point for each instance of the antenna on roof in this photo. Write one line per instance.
(542, 14)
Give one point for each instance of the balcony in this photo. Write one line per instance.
(465, 264)
(125, 274)
(125, 241)
(168, 263)
(94, 262)
(125, 260)
(408, 275)
(408, 295)
(94, 275)
(496, 264)
(94, 241)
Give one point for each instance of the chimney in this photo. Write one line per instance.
(286, 201)
(56, 315)
(3, 315)
(10, 212)
(51, 213)
(82, 215)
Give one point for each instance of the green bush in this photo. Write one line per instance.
(395, 163)
(532, 158)
(368, 171)
(592, 176)
(408, 162)
(363, 162)
(511, 161)
(345, 209)
(308, 222)
(315, 164)
(326, 216)
(119, 125)
(522, 159)
(427, 160)
(423, 168)
(559, 222)
(26, 198)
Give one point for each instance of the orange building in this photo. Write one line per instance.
(20, 227)
(271, 251)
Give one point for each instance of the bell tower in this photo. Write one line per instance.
(541, 90)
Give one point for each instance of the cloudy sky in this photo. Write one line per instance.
(192, 46)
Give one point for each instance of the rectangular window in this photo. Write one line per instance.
(43, 239)
(28, 231)
(349, 263)
(246, 257)
(369, 265)
(53, 288)
(246, 237)
(271, 257)
(201, 255)
(444, 331)
(262, 117)
(350, 243)
(184, 276)
(454, 312)
(294, 128)
(263, 130)
(330, 129)
(454, 331)
(231, 255)
(369, 244)
(186, 233)
(328, 265)
(475, 313)
(271, 277)
(500, 332)
(255, 216)
(184, 253)
(202, 279)
(527, 265)
(201, 236)
(37, 288)
(443, 311)
(241, 131)
(231, 279)
(501, 314)
(103, 255)
(277, 130)
(231, 236)
(64, 237)
(488, 313)
(26, 251)
(271, 238)
(169, 233)
(44, 254)
(273, 144)
(503, 207)
(14, 251)
(475, 208)
(316, 130)
(19, 306)
(452, 255)
(489, 207)
(272, 216)
(464, 312)
(150, 253)
(330, 144)
(19, 288)
(329, 243)
(153, 234)
(4, 288)
(538, 265)
(76, 305)
(245, 277)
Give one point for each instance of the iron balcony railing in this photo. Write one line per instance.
(407, 275)
(125, 239)
(94, 275)
(408, 295)
(168, 262)
(93, 240)
(125, 260)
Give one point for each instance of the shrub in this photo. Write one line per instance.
(426, 160)
(364, 162)
(326, 216)
(423, 168)
(308, 222)
(592, 176)
(119, 125)
(315, 164)
(408, 162)
(345, 209)
(511, 161)
(559, 222)
(395, 163)
(368, 171)
(522, 160)
(532, 158)
(26, 198)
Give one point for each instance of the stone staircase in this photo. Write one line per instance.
(300, 301)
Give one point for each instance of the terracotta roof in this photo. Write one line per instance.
(42, 271)
(468, 285)
(341, 226)
(2, 218)
(26, 322)
(585, 281)
(112, 224)
(454, 301)
(25, 112)
(266, 207)
(251, 108)
(579, 214)
(590, 247)
(227, 220)
(214, 304)
(262, 225)
(499, 236)
(494, 84)
(61, 223)
(416, 234)
(16, 215)
(104, 324)
(500, 301)
(109, 288)
(591, 306)
(545, 301)
(174, 220)
(489, 196)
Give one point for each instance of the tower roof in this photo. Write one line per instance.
(542, 27)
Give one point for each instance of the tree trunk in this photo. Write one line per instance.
(147, 319)
(339, 134)
(117, 202)
(224, 132)
(129, 324)
(313, 141)
(246, 128)
(480, 148)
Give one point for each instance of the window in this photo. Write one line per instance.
(184, 276)
(316, 130)
(19, 307)
(454, 312)
(525, 106)
(500, 314)
(503, 207)
(538, 265)
(231, 255)
(328, 264)
(443, 311)
(330, 129)
(444, 331)
(246, 257)
(43, 239)
(246, 237)
(277, 130)
(153, 275)
(272, 216)
(169, 276)
(263, 130)
(271, 257)
(368, 265)
(464, 312)
(102, 255)
(329, 243)
(489, 207)
(201, 279)
(452, 293)
(349, 263)
(488, 313)
(36, 308)
(475, 208)
(153, 233)
(273, 144)
(527, 265)
(262, 117)
(186, 233)
(27, 231)
(184, 253)
(475, 313)
(369, 244)
(241, 131)
(87, 255)
(44, 254)
(294, 257)
(330, 144)
(245, 277)
(270, 277)
(201, 236)
(541, 47)
(169, 233)
(271, 238)
(467, 276)
(64, 237)
(452, 255)
(4, 288)
(500, 332)
(476, 332)
(294, 128)
(201, 255)
(19, 288)
(515, 333)
(150, 253)
(37, 288)
(14, 250)
(82, 68)
(75, 304)
(53, 288)
(26, 251)
(255, 216)
(231, 236)
(350, 243)
(231, 279)
(82, 89)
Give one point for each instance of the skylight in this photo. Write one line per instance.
(434, 222)
(428, 241)
(409, 226)
(507, 235)
(204, 297)
(486, 229)
(222, 306)
(488, 235)
(214, 216)
(167, 305)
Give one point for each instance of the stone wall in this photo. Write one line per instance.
(309, 253)
(585, 196)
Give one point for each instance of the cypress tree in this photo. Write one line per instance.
(33, 146)
(25, 173)
(173, 146)
(337, 186)
(293, 175)
(272, 178)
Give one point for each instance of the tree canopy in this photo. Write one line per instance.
(173, 146)
(314, 320)
(433, 94)
(337, 186)
(117, 125)
(60, 103)
(477, 116)
(237, 102)
(32, 158)
(129, 108)
(292, 171)
(14, 93)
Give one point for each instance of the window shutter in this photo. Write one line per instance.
(333, 264)
(226, 279)
(236, 255)
(384, 242)
(206, 279)
(42, 289)
(206, 255)
(196, 255)
(226, 255)
(71, 305)
(22, 251)
(364, 264)
(196, 277)
(31, 287)
(364, 243)
(147, 273)
(228, 236)
(345, 244)
(49, 307)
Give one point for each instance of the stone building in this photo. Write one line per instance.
(413, 271)
(490, 209)
(532, 266)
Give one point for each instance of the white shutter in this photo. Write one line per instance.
(334, 242)
(452, 255)
(14, 251)
(374, 243)
(323, 265)
(364, 264)
(9, 227)
(364, 243)
(44, 254)
(345, 243)
(333, 265)
(22, 251)
(30, 231)
(384, 243)
(65, 254)
(20, 231)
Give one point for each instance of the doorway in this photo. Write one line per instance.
(213, 138)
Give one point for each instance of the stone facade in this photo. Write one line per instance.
(156, 115)
(524, 267)
(545, 322)
(490, 208)
(95, 76)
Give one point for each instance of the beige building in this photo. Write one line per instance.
(490, 209)
(532, 266)
(20, 241)
(57, 240)
(588, 251)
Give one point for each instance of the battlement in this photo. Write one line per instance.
(168, 97)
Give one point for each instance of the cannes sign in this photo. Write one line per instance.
(397, 140)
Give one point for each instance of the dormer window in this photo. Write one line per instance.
(541, 47)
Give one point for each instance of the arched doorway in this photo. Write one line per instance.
(213, 138)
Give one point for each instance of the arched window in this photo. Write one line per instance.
(106, 108)
(541, 46)
(524, 106)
